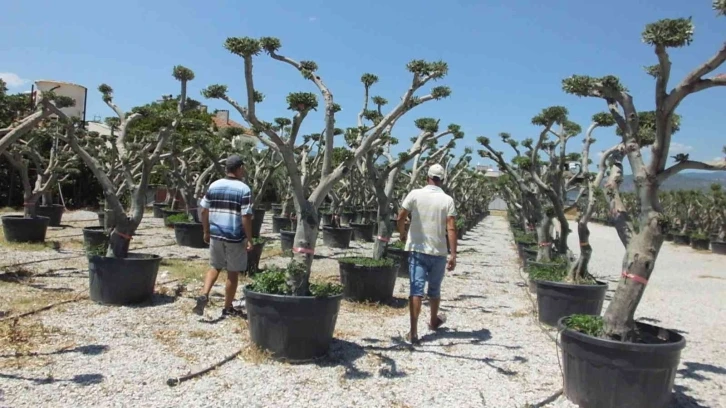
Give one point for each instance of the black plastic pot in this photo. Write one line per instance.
(168, 213)
(287, 239)
(602, 373)
(557, 299)
(190, 234)
(54, 212)
(529, 254)
(158, 207)
(292, 328)
(276, 209)
(337, 237)
(700, 244)
(281, 223)
(326, 219)
(20, 229)
(257, 220)
(363, 232)
(668, 236)
(459, 233)
(400, 257)
(679, 239)
(123, 281)
(347, 217)
(366, 283)
(95, 240)
(718, 247)
(253, 258)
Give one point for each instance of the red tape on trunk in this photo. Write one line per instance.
(304, 251)
(384, 239)
(544, 244)
(634, 277)
(124, 236)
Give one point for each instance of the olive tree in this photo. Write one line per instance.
(302, 103)
(643, 246)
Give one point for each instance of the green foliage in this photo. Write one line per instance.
(603, 119)
(524, 237)
(273, 281)
(326, 289)
(214, 91)
(551, 115)
(427, 124)
(586, 324)
(483, 140)
(553, 272)
(182, 73)
(379, 101)
(583, 85)
(309, 66)
(367, 262)
(243, 46)
(368, 80)
(647, 127)
(669, 32)
(652, 70)
(398, 245)
(720, 7)
(181, 217)
(460, 223)
(435, 70)
(270, 44)
(258, 240)
(440, 92)
(302, 101)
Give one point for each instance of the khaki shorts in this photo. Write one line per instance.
(230, 256)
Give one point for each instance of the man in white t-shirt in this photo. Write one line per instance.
(432, 218)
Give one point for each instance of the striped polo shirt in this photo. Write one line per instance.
(429, 208)
(227, 200)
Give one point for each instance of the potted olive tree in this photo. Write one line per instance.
(120, 277)
(289, 319)
(718, 209)
(617, 347)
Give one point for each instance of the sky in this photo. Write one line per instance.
(506, 59)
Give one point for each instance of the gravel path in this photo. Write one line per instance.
(687, 292)
(491, 353)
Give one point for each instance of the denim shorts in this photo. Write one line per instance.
(424, 268)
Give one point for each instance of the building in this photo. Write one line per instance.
(488, 171)
(222, 121)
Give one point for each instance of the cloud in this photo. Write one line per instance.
(679, 148)
(313, 19)
(13, 80)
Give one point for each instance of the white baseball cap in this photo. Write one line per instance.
(437, 171)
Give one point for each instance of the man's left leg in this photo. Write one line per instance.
(236, 263)
(436, 274)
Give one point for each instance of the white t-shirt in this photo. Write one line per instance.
(429, 208)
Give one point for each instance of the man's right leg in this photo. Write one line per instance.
(217, 261)
(417, 276)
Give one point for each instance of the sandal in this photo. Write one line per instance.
(440, 320)
(414, 342)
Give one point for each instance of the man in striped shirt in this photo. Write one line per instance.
(432, 218)
(227, 222)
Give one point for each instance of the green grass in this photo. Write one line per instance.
(551, 273)
(398, 245)
(590, 325)
(181, 218)
(273, 281)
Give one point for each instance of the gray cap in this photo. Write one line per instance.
(234, 162)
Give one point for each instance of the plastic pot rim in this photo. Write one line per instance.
(249, 293)
(677, 345)
(597, 286)
(22, 217)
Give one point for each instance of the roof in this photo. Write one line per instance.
(220, 123)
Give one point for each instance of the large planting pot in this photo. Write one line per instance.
(54, 212)
(253, 258)
(292, 328)
(679, 239)
(367, 283)
(602, 373)
(281, 223)
(668, 237)
(276, 209)
(400, 257)
(122, 281)
(158, 207)
(287, 240)
(699, 244)
(718, 247)
(95, 240)
(168, 213)
(557, 299)
(337, 237)
(363, 232)
(190, 234)
(20, 229)
(326, 219)
(257, 219)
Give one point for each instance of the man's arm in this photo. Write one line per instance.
(401, 224)
(205, 224)
(247, 218)
(451, 230)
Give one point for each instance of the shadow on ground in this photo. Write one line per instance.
(81, 379)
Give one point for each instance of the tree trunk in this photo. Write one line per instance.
(30, 205)
(303, 249)
(544, 239)
(578, 270)
(384, 231)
